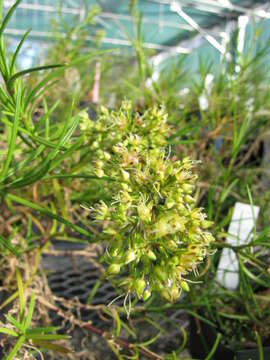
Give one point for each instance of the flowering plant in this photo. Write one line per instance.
(152, 225)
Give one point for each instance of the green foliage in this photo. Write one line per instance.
(20, 332)
(35, 147)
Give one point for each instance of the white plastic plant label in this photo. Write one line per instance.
(203, 98)
(243, 221)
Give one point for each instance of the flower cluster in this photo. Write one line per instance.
(155, 233)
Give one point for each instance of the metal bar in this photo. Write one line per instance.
(220, 4)
(103, 14)
(169, 24)
(39, 7)
(177, 8)
(106, 40)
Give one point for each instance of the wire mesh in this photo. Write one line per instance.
(72, 277)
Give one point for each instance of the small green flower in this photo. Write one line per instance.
(130, 256)
(184, 285)
(139, 286)
(146, 295)
(113, 269)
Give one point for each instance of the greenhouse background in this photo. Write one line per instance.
(168, 27)
(134, 179)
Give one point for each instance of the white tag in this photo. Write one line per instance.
(243, 220)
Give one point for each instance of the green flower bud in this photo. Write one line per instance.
(113, 269)
(83, 115)
(116, 149)
(174, 293)
(102, 211)
(114, 252)
(110, 231)
(151, 255)
(184, 285)
(146, 295)
(130, 256)
(104, 110)
(144, 212)
(140, 286)
(125, 197)
(189, 199)
(170, 203)
(158, 286)
(188, 188)
(99, 172)
(172, 245)
(166, 295)
(126, 105)
(160, 273)
(125, 175)
(95, 145)
(205, 224)
(125, 186)
(174, 260)
(106, 155)
(208, 237)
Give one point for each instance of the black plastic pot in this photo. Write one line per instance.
(201, 344)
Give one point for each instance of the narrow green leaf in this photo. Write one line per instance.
(260, 346)
(3, 60)
(66, 154)
(214, 348)
(31, 70)
(30, 311)
(34, 93)
(24, 163)
(227, 191)
(31, 177)
(202, 318)
(15, 323)
(42, 330)
(34, 137)
(16, 348)
(29, 227)
(51, 346)
(43, 167)
(16, 53)
(252, 209)
(21, 294)
(185, 338)
(52, 337)
(46, 117)
(77, 176)
(5, 243)
(150, 341)
(93, 292)
(117, 322)
(49, 213)
(234, 316)
(12, 143)
(8, 332)
(6, 100)
(255, 278)
(66, 134)
(8, 16)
